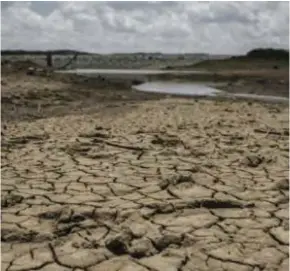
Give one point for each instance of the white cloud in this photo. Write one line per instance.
(213, 27)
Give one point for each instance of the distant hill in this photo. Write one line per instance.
(260, 58)
(268, 53)
(33, 52)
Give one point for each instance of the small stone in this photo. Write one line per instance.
(141, 248)
(147, 212)
(65, 216)
(252, 160)
(119, 243)
(138, 230)
(31, 71)
(167, 239)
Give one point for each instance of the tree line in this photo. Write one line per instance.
(268, 53)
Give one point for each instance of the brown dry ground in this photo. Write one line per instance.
(97, 179)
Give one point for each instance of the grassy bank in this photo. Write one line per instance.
(241, 63)
(256, 59)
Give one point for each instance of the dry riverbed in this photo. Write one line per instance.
(141, 183)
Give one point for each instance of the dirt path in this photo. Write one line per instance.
(165, 185)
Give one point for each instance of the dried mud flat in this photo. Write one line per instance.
(164, 185)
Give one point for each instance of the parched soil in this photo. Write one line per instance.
(26, 97)
(147, 185)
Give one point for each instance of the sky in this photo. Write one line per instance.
(141, 26)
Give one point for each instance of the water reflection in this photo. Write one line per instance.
(192, 89)
(130, 71)
(200, 89)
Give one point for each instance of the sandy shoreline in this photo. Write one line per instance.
(131, 181)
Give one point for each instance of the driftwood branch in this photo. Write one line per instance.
(69, 62)
(49, 64)
(119, 145)
(272, 132)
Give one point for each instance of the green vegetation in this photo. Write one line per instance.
(240, 64)
(254, 60)
(269, 53)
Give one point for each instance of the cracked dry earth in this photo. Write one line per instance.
(173, 185)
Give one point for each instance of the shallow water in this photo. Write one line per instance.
(192, 89)
(166, 87)
(261, 97)
(200, 89)
(130, 71)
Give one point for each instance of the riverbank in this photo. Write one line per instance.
(98, 177)
(250, 75)
(269, 82)
(39, 96)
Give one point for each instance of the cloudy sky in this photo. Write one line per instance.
(125, 26)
